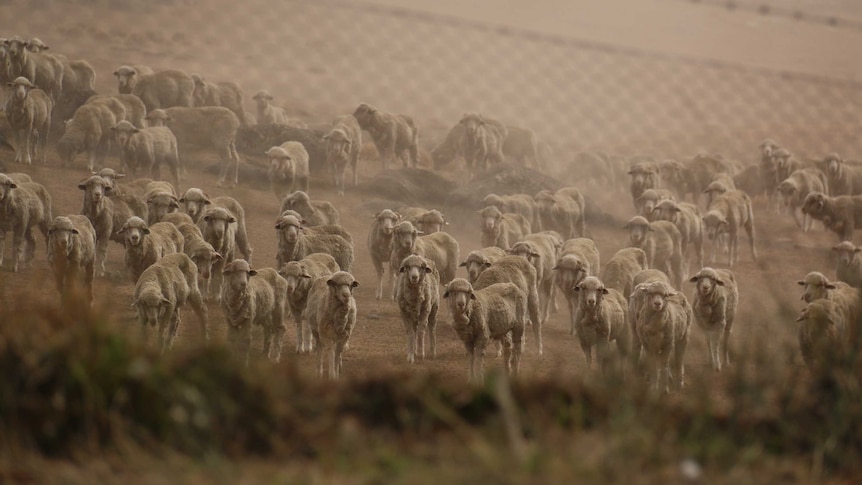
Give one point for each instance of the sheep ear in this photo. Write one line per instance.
(463, 264)
(446, 294)
(802, 316)
(278, 225)
(165, 301)
(472, 296)
(417, 232)
(800, 283)
(207, 202)
(108, 190)
(830, 286)
(402, 269)
(605, 291)
(693, 279)
(428, 270)
(82, 186)
(174, 204)
(856, 250)
(577, 287)
(217, 256)
(182, 199)
(535, 255)
(134, 304)
(354, 284)
(232, 219)
(556, 267)
(146, 231)
(303, 222)
(135, 130)
(305, 275)
(252, 272)
(719, 282)
(486, 264)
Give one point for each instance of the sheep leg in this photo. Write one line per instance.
(749, 229)
(197, 303)
(27, 135)
(18, 144)
(172, 331)
(588, 350)
(320, 359)
(725, 342)
(533, 309)
(332, 357)
(411, 341)
(517, 347)
(267, 338)
(796, 218)
(603, 354)
(239, 337)
(432, 331)
(17, 237)
(2, 245)
(506, 341)
(678, 362)
(90, 272)
(29, 246)
(712, 341)
(420, 337)
(378, 267)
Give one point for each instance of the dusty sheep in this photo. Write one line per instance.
(662, 243)
(134, 110)
(786, 164)
(162, 290)
(288, 168)
(267, 114)
(748, 181)
(578, 259)
(688, 220)
(226, 94)
(299, 276)
(440, 248)
(843, 179)
(795, 188)
(645, 175)
(849, 264)
(521, 145)
(637, 300)
(315, 212)
(482, 142)
(379, 244)
(43, 70)
(331, 317)
(841, 214)
(815, 286)
(663, 328)
(519, 204)
(28, 112)
(541, 251)
(147, 244)
(148, 148)
(159, 90)
(343, 143)
(649, 199)
(727, 214)
(23, 206)
(822, 330)
(619, 271)
(448, 149)
(87, 132)
(72, 255)
(160, 204)
(430, 221)
(502, 230)
(253, 297)
(178, 219)
(418, 297)
(497, 312)
(695, 175)
(479, 260)
(196, 202)
(563, 211)
(210, 127)
(393, 134)
(218, 226)
(331, 229)
(518, 271)
(200, 251)
(714, 305)
(601, 320)
(294, 244)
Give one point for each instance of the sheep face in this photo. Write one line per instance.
(766, 148)
(414, 268)
(705, 285)
(20, 88)
(490, 217)
(95, 189)
(846, 253)
(341, 285)
(289, 231)
(524, 250)
(110, 175)
(195, 202)
(123, 132)
(281, 167)
(236, 278)
(788, 191)
(642, 176)
(657, 300)
(459, 293)
(204, 261)
(814, 287)
(160, 205)
(15, 47)
(638, 228)
(405, 235)
(387, 220)
(293, 272)
(150, 306)
(833, 164)
(125, 77)
(814, 204)
(714, 224)
(217, 224)
(134, 231)
(6, 186)
(591, 291)
(471, 122)
(337, 145)
(666, 210)
(431, 222)
(61, 236)
(475, 264)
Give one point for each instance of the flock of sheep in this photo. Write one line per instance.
(185, 247)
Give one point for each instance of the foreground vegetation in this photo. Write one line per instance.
(75, 389)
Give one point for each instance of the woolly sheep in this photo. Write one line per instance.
(331, 229)
(662, 243)
(294, 244)
(541, 251)
(267, 113)
(816, 286)
(563, 211)
(727, 214)
(482, 142)
(822, 330)
(393, 134)
(418, 297)
(160, 204)
(315, 212)
(162, 290)
(431, 221)
(714, 190)
(479, 260)
(649, 199)
(502, 230)
(688, 220)
(23, 206)
(78, 76)
(796, 187)
(105, 214)
(663, 328)
(43, 70)
(210, 127)
(134, 110)
(87, 132)
(714, 305)
(72, 255)
(843, 179)
(331, 317)
(218, 226)
(178, 219)
(695, 175)
(147, 244)
(601, 320)
(343, 143)
(196, 202)
(441, 248)
(841, 214)
(519, 204)
(619, 271)
(288, 168)
(849, 264)
(253, 297)
(645, 175)
(448, 149)
(518, 271)
(299, 276)
(521, 145)
(28, 112)
(199, 250)
(379, 244)
(159, 90)
(226, 94)
(148, 148)
(637, 300)
(786, 164)
(767, 170)
(578, 259)
(497, 312)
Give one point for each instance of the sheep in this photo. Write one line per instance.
(196, 201)
(299, 276)
(267, 114)
(519, 204)
(288, 168)
(822, 329)
(160, 204)
(593, 169)
(440, 248)
(663, 326)
(541, 251)
(294, 244)
(618, 272)
(479, 260)
(687, 219)
(147, 244)
(431, 221)
(162, 290)
(849, 264)
(23, 206)
(105, 214)
(519, 271)
(563, 211)
(253, 297)
(331, 229)
(418, 297)
(448, 149)
(714, 190)
(135, 111)
(226, 94)
(159, 90)
(796, 187)
(72, 255)
(178, 219)
(482, 142)
(786, 164)
(815, 286)
(649, 199)
(662, 243)
(497, 312)
(331, 317)
(578, 259)
(379, 244)
(645, 175)
(748, 181)
(28, 112)
(211, 127)
(218, 226)
(393, 134)
(521, 144)
(343, 143)
(839, 214)
(637, 299)
(43, 70)
(695, 175)
(502, 230)
(601, 319)
(78, 76)
(89, 132)
(727, 214)
(714, 306)
(316, 213)
(843, 179)
(149, 148)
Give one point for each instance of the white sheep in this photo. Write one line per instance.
(662, 243)
(518, 271)
(28, 112)
(72, 255)
(343, 143)
(288, 168)
(253, 297)
(816, 286)
(498, 312)
(714, 304)
(199, 250)
(331, 317)
(267, 114)
(480, 260)
(161, 89)
(541, 251)
(795, 188)
(43, 70)
(649, 199)
(218, 226)
(687, 219)
(331, 229)
(502, 230)
(619, 271)
(563, 211)
(379, 244)
(418, 297)
(196, 202)
(822, 332)
(87, 132)
(727, 214)
(430, 221)
(147, 244)
(663, 328)
(315, 212)
(23, 206)
(148, 148)
(440, 247)
(162, 290)
(519, 204)
(601, 320)
(578, 259)
(394, 135)
(294, 244)
(227, 94)
(849, 264)
(299, 276)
